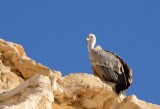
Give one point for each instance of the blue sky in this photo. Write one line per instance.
(53, 33)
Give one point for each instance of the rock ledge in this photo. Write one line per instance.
(25, 84)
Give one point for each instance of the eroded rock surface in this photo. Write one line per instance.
(25, 84)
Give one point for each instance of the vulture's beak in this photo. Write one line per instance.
(87, 39)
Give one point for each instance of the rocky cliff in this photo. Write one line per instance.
(25, 84)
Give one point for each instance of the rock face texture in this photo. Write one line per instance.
(25, 84)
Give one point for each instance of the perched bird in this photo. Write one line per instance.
(108, 66)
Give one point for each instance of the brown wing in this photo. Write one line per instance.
(127, 71)
(110, 67)
(105, 73)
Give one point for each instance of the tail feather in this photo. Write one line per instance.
(120, 89)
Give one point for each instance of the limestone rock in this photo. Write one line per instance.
(84, 91)
(13, 56)
(8, 79)
(35, 93)
(25, 84)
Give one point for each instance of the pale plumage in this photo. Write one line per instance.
(108, 66)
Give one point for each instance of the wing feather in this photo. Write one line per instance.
(105, 73)
(126, 70)
(111, 67)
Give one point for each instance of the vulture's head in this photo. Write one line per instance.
(91, 38)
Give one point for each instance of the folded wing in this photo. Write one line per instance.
(110, 67)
